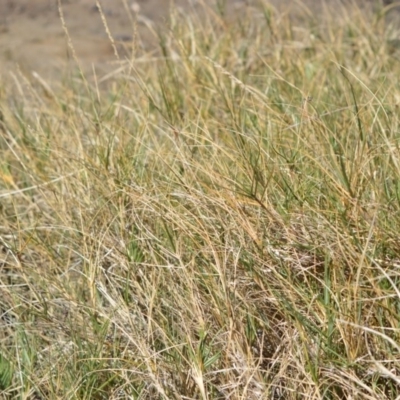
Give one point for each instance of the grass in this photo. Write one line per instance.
(219, 221)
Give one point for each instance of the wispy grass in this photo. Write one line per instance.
(218, 222)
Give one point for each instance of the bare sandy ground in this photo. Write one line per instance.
(32, 37)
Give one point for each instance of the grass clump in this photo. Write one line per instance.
(220, 221)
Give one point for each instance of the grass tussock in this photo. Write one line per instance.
(218, 222)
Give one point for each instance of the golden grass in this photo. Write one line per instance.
(217, 222)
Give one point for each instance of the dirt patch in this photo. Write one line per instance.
(32, 37)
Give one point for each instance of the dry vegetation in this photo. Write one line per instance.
(217, 222)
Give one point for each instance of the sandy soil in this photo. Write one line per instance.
(32, 37)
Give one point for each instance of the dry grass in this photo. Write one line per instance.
(219, 222)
